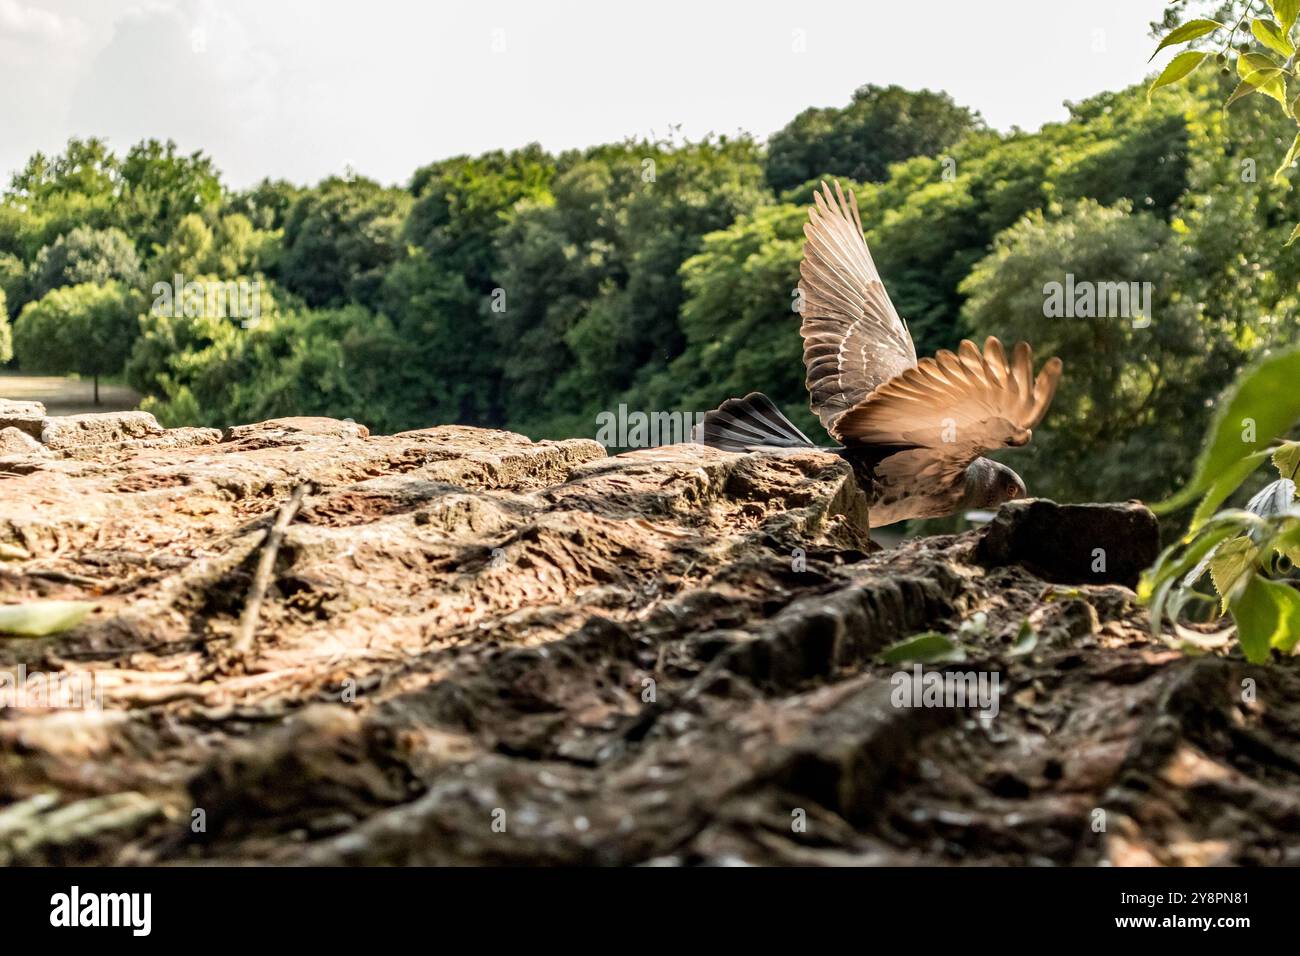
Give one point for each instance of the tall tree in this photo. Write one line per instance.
(159, 187)
(881, 125)
(87, 329)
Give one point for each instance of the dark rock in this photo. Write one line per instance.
(348, 765)
(1073, 544)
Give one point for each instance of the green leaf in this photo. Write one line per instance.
(1232, 561)
(1259, 83)
(1179, 67)
(1259, 73)
(39, 618)
(1288, 542)
(1026, 640)
(1286, 163)
(1272, 36)
(1224, 525)
(930, 646)
(1275, 89)
(1267, 614)
(1285, 11)
(1166, 570)
(1266, 398)
(1295, 234)
(1187, 31)
(1287, 459)
(1248, 64)
(1223, 486)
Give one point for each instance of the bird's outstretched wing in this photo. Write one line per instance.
(853, 338)
(957, 406)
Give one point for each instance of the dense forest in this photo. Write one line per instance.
(533, 291)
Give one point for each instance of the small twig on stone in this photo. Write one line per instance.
(63, 577)
(265, 565)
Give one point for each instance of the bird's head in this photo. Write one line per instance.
(990, 483)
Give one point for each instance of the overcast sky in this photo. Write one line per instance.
(301, 89)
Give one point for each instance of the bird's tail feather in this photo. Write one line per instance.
(743, 424)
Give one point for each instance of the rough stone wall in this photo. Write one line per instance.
(476, 648)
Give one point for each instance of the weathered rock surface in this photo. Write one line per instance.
(482, 649)
(15, 441)
(25, 416)
(74, 431)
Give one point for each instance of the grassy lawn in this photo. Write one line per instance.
(66, 396)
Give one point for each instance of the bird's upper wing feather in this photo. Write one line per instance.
(853, 338)
(957, 405)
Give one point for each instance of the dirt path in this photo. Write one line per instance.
(66, 396)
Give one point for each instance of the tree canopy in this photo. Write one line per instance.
(84, 255)
(881, 125)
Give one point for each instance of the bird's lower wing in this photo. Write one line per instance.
(956, 405)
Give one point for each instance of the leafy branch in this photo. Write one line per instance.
(1267, 66)
(1249, 553)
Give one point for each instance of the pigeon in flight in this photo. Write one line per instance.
(914, 432)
